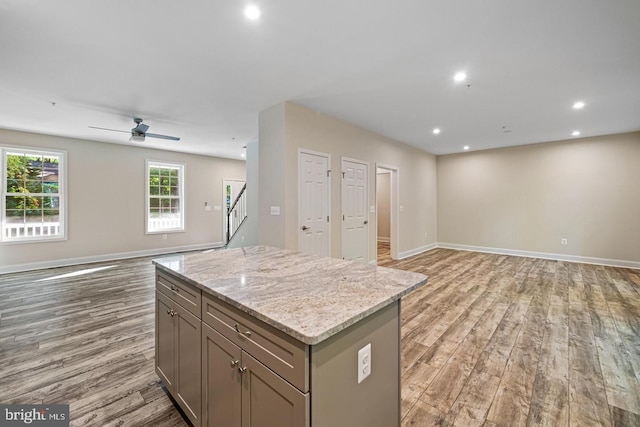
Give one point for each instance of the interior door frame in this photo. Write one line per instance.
(394, 209)
(368, 231)
(329, 223)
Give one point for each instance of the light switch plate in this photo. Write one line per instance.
(275, 210)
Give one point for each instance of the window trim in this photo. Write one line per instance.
(62, 193)
(182, 176)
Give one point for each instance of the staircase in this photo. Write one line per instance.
(237, 213)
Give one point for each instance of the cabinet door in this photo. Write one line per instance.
(165, 342)
(268, 400)
(221, 386)
(187, 385)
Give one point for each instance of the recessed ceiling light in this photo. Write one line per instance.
(466, 147)
(575, 133)
(252, 12)
(436, 131)
(578, 105)
(460, 76)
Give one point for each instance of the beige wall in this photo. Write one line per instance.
(106, 200)
(305, 128)
(383, 200)
(527, 198)
(273, 173)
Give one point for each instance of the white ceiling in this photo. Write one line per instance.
(201, 71)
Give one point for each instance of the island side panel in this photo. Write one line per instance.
(337, 400)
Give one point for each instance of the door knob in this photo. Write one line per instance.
(305, 228)
(366, 221)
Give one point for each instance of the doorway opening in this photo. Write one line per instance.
(387, 217)
(230, 190)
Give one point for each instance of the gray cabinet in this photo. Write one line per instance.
(221, 380)
(240, 391)
(268, 400)
(178, 351)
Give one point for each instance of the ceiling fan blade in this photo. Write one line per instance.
(141, 128)
(114, 130)
(155, 135)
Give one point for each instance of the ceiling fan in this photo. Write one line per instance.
(139, 132)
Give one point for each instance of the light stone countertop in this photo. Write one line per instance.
(305, 296)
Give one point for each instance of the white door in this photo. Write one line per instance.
(230, 190)
(313, 203)
(355, 217)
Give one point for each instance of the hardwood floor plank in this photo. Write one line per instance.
(587, 395)
(513, 397)
(473, 403)
(550, 399)
(109, 411)
(445, 388)
(423, 414)
(622, 418)
(621, 383)
(414, 383)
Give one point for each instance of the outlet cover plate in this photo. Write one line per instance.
(364, 362)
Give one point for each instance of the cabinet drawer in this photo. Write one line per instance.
(188, 296)
(284, 355)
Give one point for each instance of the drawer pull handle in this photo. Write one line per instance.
(247, 333)
(242, 370)
(174, 289)
(169, 312)
(234, 363)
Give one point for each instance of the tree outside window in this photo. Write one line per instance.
(32, 195)
(165, 207)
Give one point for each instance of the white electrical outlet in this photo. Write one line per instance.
(563, 241)
(364, 362)
(275, 210)
(164, 237)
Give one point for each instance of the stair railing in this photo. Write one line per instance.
(237, 213)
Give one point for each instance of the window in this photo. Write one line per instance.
(33, 195)
(165, 197)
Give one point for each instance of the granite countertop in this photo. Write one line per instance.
(306, 296)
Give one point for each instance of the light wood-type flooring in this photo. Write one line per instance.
(491, 340)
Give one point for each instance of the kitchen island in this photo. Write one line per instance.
(261, 336)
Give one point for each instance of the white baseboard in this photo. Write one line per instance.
(417, 251)
(383, 239)
(107, 257)
(543, 255)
